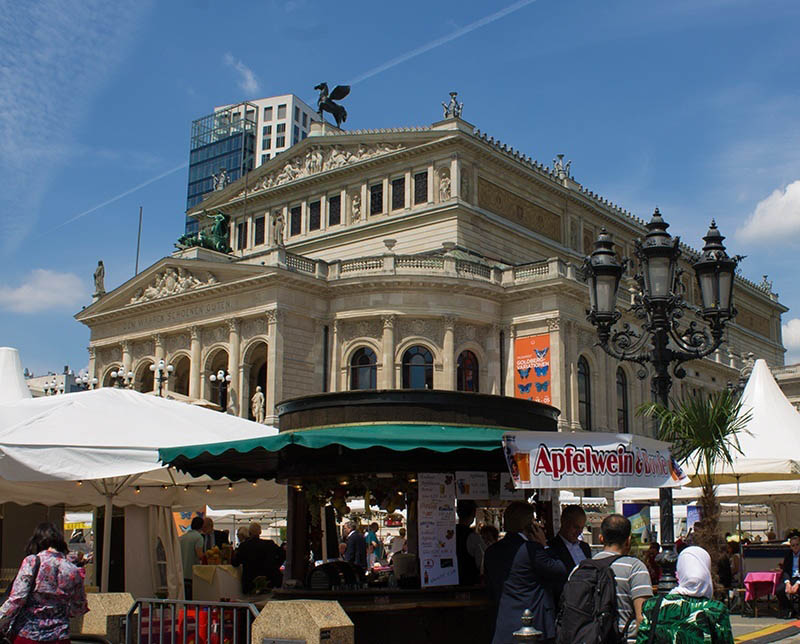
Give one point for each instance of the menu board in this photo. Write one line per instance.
(472, 485)
(437, 530)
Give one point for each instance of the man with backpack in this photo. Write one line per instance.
(603, 598)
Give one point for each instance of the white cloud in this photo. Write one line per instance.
(791, 340)
(44, 290)
(776, 218)
(247, 81)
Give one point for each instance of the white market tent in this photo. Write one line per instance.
(96, 448)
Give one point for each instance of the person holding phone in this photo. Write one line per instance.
(521, 574)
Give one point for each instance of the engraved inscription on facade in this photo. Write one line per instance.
(532, 216)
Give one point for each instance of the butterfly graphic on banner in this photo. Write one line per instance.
(542, 386)
(524, 373)
(186, 515)
(541, 371)
(541, 353)
(524, 389)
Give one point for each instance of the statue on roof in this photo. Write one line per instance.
(221, 179)
(453, 109)
(561, 169)
(325, 102)
(99, 279)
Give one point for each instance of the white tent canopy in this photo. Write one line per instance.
(771, 442)
(96, 447)
(12, 383)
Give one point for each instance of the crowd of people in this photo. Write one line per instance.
(574, 596)
(364, 549)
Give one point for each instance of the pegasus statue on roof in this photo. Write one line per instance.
(325, 102)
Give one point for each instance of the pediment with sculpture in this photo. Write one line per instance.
(172, 281)
(320, 159)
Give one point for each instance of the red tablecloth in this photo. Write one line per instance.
(760, 584)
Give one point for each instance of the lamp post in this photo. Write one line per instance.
(53, 388)
(121, 379)
(665, 341)
(162, 373)
(223, 378)
(84, 382)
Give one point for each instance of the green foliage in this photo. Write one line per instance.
(703, 430)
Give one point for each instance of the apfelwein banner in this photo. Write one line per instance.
(589, 459)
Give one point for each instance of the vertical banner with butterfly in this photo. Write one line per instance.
(532, 370)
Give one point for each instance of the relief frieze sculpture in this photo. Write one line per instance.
(320, 159)
(172, 281)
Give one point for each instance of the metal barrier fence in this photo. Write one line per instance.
(175, 621)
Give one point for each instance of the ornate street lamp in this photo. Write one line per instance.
(122, 379)
(84, 382)
(162, 373)
(659, 303)
(223, 378)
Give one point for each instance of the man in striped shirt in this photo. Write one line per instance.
(633, 580)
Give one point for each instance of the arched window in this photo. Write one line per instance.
(417, 368)
(584, 395)
(622, 402)
(363, 369)
(467, 372)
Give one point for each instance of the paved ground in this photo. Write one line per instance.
(744, 625)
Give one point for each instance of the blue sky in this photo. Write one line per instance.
(690, 105)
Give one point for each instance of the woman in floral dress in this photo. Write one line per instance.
(688, 614)
(38, 610)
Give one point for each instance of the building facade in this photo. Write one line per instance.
(240, 137)
(411, 257)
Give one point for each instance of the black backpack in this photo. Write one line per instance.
(588, 612)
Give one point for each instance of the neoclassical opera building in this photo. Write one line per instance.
(430, 257)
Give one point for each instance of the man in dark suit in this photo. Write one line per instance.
(789, 587)
(521, 574)
(355, 546)
(565, 546)
(258, 558)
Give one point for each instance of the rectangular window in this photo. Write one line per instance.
(420, 188)
(280, 141)
(281, 128)
(398, 193)
(376, 199)
(314, 210)
(305, 134)
(305, 119)
(296, 136)
(264, 158)
(241, 235)
(334, 210)
(265, 143)
(296, 113)
(268, 113)
(282, 111)
(266, 130)
(295, 215)
(258, 234)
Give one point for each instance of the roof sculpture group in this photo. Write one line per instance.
(325, 102)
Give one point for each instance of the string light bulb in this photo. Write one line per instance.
(80, 483)
(185, 488)
(163, 486)
(138, 490)
(255, 484)
(208, 489)
(230, 487)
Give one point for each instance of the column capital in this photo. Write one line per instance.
(126, 346)
(510, 330)
(92, 352)
(554, 324)
(449, 322)
(337, 326)
(233, 324)
(158, 340)
(275, 316)
(388, 321)
(194, 332)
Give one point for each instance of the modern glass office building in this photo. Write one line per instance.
(224, 139)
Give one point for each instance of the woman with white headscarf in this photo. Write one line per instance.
(688, 614)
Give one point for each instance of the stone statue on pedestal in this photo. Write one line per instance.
(221, 179)
(257, 405)
(277, 226)
(99, 279)
(453, 108)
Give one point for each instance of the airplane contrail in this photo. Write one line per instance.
(463, 31)
(443, 40)
(123, 194)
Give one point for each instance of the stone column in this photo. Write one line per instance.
(559, 369)
(274, 393)
(334, 375)
(234, 388)
(574, 416)
(126, 355)
(495, 368)
(388, 351)
(511, 334)
(448, 351)
(455, 177)
(158, 354)
(194, 366)
(93, 365)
